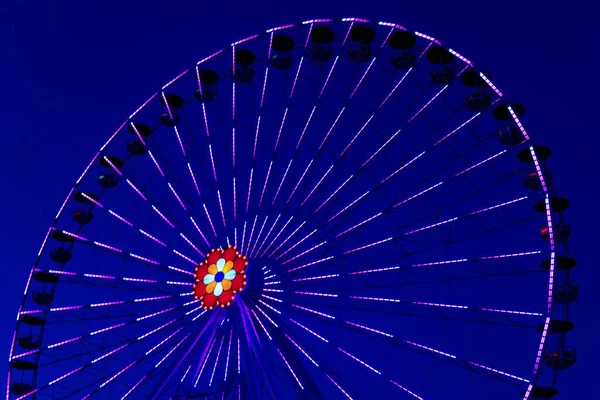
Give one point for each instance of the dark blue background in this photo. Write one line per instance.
(72, 71)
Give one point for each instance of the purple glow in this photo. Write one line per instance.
(429, 349)
(155, 314)
(303, 253)
(251, 252)
(270, 307)
(185, 257)
(301, 349)
(280, 28)
(368, 329)
(175, 79)
(136, 189)
(339, 387)
(290, 368)
(313, 311)
(134, 387)
(177, 196)
(358, 224)
(171, 351)
(163, 217)
(431, 39)
(144, 259)
(286, 239)
(368, 245)
(228, 354)
(491, 85)
(261, 324)
(99, 276)
(74, 236)
(108, 247)
(153, 238)
(266, 316)
(209, 219)
(309, 264)
(156, 163)
(114, 214)
(181, 270)
(309, 331)
(272, 298)
(463, 59)
(296, 244)
(204, 363)
(312, 278)
(316, 186)
(191, 244)
(406, 390)
(359, 360)
(138, 134)
(92, 200)
(112, 166)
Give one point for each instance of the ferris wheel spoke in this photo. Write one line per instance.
(441, 310)
(346, 352)
(260, 115)
(370, 158)
(414, 231)
(460, 174)
(106, 355)
(341, 112)
(209, 138)
(284, 117)
(153, 204)
(412, 197)
(92, 334)
(67, 310)
(128, 256)
(424, 250)
(370, 269)
(363, 173)
(303, 132)
(170, 177)
(153, 238)
(418, 347)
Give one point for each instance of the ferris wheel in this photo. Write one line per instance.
(331, 209)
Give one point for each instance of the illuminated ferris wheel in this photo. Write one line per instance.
(333, 209)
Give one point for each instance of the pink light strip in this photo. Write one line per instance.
(144, 259)
(290, 368)
(309, 331)
(177, 196)
(185, 257)
(74, 236)
(301, 349)
(261, 324)
(313, 311)
(92, 200)
(406, 390)
(108, 247)
(191, 244)
(114, 214)
(266, 316)
(312, 278)
(359, 360)
(309, 264)
(153, 238)
(163, 217)
(368, 329)
(499, 372)
(136, 189)
(339, 387)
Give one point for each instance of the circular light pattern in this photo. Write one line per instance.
(219, 277)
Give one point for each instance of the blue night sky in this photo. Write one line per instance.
(72, 72)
